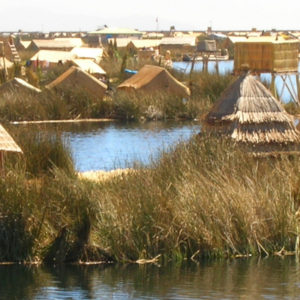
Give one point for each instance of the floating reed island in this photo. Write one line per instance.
(249, 114)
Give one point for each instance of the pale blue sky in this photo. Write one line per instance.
(45, 15)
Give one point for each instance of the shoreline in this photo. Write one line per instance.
(62, 121)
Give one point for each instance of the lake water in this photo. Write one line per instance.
(227, 66)
(271, 278)
(113, 145)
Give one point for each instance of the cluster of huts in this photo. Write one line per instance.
(247, 111)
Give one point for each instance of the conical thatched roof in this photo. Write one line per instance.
(248, 112)
(6, 142)
(151, 79)
(76, 79)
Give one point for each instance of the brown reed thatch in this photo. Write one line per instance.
(151, 79)
(6, 142)
(77, 79)
(248, 113)
(18, 85)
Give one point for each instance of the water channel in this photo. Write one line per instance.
(271, 278)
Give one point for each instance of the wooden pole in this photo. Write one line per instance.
(273, 86)
(1, 163)
(3, 57)
(298, 88)
(192, 66)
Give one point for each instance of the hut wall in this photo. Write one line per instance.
(285, 57)
(176, 50)
(266, 57)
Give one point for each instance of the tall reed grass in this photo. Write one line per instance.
(205, 198)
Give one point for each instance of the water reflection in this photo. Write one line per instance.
(272, 278)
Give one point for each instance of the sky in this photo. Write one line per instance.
(88, 15)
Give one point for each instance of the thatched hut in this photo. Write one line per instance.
(75, 79)
(18, 86)
(7, 144)
(152, 79)
(250, 115)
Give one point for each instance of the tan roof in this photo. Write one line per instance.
(145, 43)
(179, 40)
(251, 114)
(17, 85)
(262, 39)
(76, 79)
(6, 141)
(74, 42)
(52, 56)
(89, 66)
(58, 43)
(151, 79)
(84, 52)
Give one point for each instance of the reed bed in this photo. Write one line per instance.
(205, 198)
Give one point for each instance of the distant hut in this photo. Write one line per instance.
(91, 67)
(152, 79)
(17, 86)
(75, 79)
(45, 59)
(7, 144)
(249, 114)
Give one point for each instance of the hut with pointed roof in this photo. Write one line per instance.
(75, 79)
(153, 79)
(7, 144)
(248, 113)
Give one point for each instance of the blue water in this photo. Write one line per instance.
(227, 66)
(108, 146)
(249, 279)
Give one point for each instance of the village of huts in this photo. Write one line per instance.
(109, 61)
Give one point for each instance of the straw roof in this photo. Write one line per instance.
(179, 40)
(145, 43)
(59, 43)
(52, 56)
(85, 52)
(89, 66)
(272, 39)
(18, 85)
(75, 78)
(248, 112)
(6, 141)
(151, 79)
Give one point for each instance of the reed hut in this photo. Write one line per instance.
(18, 86)
(7, 144)
(277, 55)
(273, 54)
(152, 79)
(248, 113)
(75, 79)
